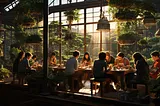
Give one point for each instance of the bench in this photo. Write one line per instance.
(134, 85)
(96, 81)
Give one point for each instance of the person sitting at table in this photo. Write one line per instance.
(109, 58)
(16, 62)
(155, 69)
(121, 61)
(52, 59)
(86, 60)
(72, 71)
(142, 68)
(100, 69)
(24, 68)
(32, 61)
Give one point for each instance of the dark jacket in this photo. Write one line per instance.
(99, 68)
(142, 71)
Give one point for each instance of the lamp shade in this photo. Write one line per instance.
(157, 34)
(103, 24)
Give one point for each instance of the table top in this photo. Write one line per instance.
(119, 69)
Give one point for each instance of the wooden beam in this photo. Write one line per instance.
(78, 5)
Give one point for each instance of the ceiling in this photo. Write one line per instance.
(8, 17)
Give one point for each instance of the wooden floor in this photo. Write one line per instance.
(84, 94)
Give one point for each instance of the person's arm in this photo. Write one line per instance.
(55, 61)
(105, 66)
(28, 65)
(90, 62)
(76, 65)
(126, 61)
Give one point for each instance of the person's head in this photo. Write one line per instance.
(120, 56)
(34, 57)
(53, 54)
(155, 55)
(86, 56)
(137, 56)
(102, 56)
(108, 55)
(76, 54)
(21, 55)
(28, 56)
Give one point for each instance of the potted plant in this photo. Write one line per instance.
(4, 73)
(125, 15)
(71, 16)
(120, 3)
(34, 38)
(127, 38)
(28, 20)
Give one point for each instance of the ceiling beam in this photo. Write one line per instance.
(78, 5)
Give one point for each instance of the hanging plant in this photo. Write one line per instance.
(125, 15)
(72, 15)
(127, 38)
(28, 20)
(35, 38)
(149, 19)
(120, 3)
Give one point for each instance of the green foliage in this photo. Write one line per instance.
(70, 40)
(120, 3)
(28, 20)
(72, 15)
(15, 51)
(125, 14)
(150, 61)
(142, 42)
(4, 73)
(128, 36)
(34, 38)
(20, 34)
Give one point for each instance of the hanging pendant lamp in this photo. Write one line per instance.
(103, 24)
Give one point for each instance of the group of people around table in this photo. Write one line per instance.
(25, 63)
(101, 68)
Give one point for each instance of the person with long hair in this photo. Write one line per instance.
(52, 59)
(16, 62)
(86, 60)
(142, 68)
